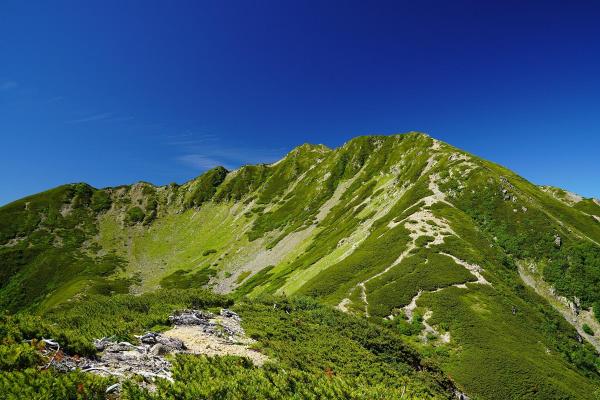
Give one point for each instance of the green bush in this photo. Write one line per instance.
(241, 277)
(135, 215)
(182, 279)
(205, 186)
(575, 271)
(101, 201)
(34, 384)
(407, 328)
(238, 379)
(18, 356)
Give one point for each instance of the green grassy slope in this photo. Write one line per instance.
(404, 230)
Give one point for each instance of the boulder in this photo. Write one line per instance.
(149, 338)
(191, 317)
(120, 347)
(153, 338)
(230, 314)
(172, 343)
(557, 241)
(160, 350)
(101, 344)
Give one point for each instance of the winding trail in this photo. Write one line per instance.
(418, 226)
(473, 269)
(420, 223)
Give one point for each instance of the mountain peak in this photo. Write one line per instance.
(444, 249)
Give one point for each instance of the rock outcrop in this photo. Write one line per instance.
(194, 331)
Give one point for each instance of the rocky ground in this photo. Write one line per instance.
(194, 332)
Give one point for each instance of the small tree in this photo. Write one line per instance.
(135, 215)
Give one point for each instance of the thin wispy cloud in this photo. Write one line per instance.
(104, 117)
(201, 162)
(191, 142)
(204, 150)
(179, 135)
(91, 118)
(120, 119)
(189, 139)
(230, 158)
(8, 85)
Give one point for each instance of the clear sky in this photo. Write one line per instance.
(112, 92)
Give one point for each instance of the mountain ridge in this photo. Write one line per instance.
(298, 149)
(404, 230)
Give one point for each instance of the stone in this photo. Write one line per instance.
(101, 344)
(557, 241)
(461, 396)
(113, 388)
(230, 314)
(149, 338)
(169, 342)
(191, 317)
(160, 350)
(119, 347)
(153, 338)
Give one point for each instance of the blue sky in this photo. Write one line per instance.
(120, 91)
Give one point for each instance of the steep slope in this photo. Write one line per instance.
(405, 230)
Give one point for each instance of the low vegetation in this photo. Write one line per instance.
(316, 352)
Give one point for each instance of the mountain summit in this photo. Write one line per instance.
(485, 274)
